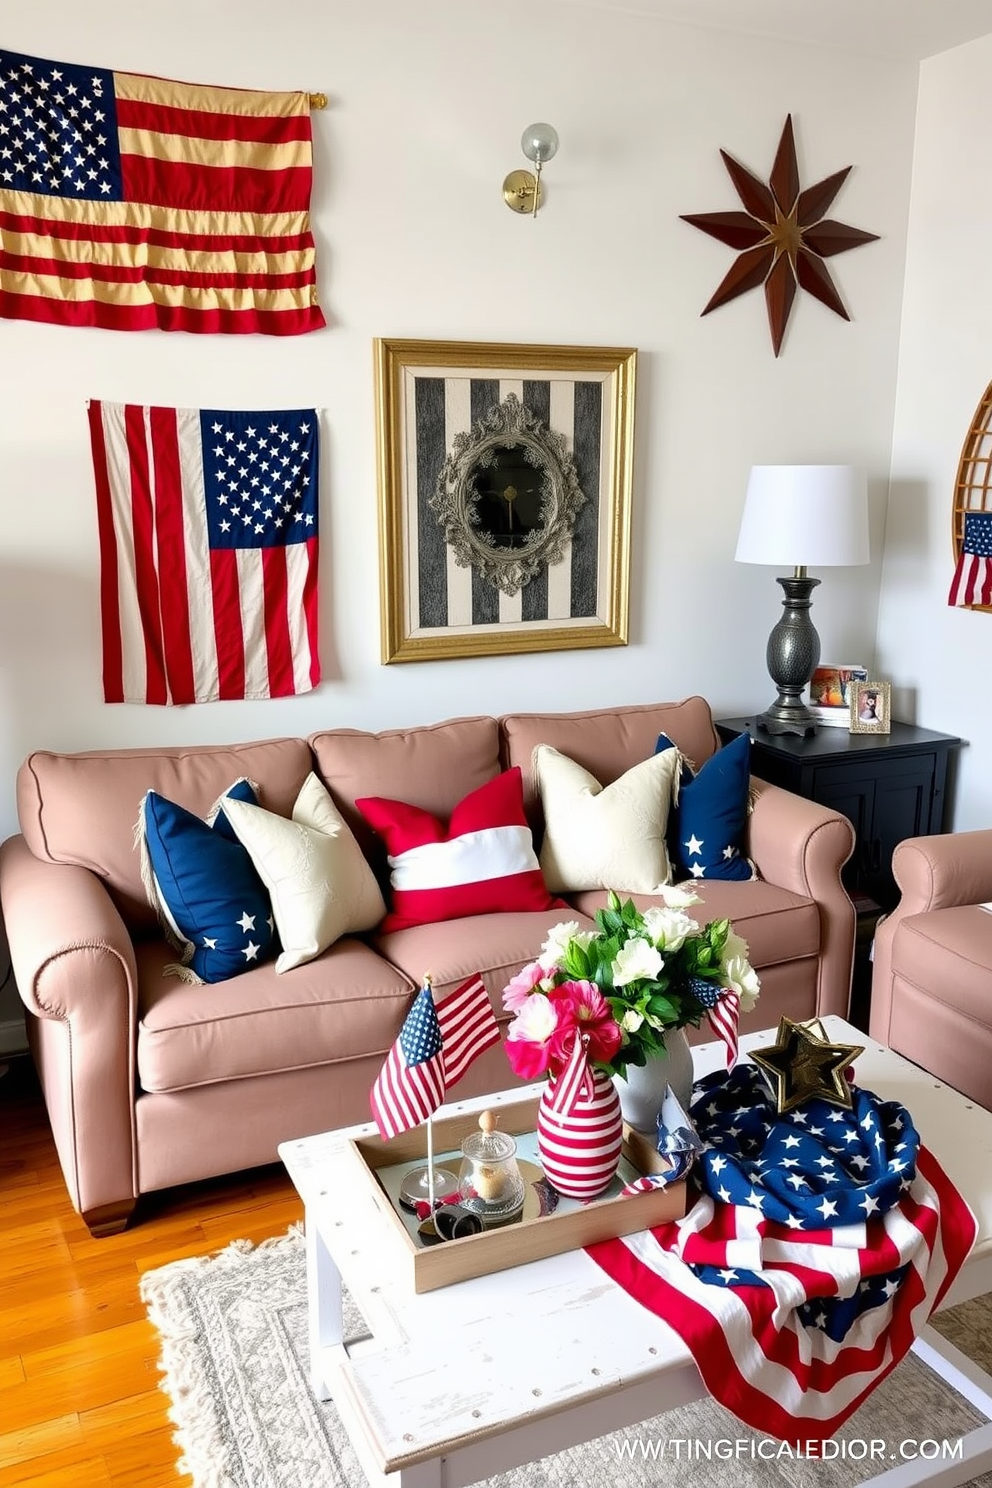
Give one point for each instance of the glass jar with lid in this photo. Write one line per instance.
(489, 1181)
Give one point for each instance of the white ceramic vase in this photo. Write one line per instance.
(642, 1089)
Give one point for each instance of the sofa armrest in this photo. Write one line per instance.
(938, 872)
(944, 870)
(74, 965)
(799, 845)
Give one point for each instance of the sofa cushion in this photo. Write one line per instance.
(346, 1004)
(482, 861)
(778, 925)
(204, 886)
(320, 885)
(610, 837)
(948, 952)
(432, 767)
(605, 741)
(497, 946)
(709, 818)
(81, 808)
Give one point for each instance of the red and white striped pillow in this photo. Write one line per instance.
(482, 862)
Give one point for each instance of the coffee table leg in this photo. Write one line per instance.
(326, 1323)
(971, 1382)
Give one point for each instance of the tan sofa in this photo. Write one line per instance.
(152, 1082)
(931, 991)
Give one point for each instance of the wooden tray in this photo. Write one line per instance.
(430, 1267)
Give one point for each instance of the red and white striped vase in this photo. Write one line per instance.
(580, 1152)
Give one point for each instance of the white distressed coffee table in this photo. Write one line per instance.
(457, 1384)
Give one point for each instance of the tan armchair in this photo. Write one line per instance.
(931, 997)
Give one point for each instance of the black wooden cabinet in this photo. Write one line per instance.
(891, 786)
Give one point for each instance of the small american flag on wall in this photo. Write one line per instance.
(208, 552)
(135, 202)
(972, 582)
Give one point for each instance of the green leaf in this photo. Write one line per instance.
(577, 962)
(663, 1008)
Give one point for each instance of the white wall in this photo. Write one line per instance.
(427, 105)
(938, 657)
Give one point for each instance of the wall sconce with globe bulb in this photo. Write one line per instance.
(522, 188)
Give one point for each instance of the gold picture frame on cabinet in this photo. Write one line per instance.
(505, 475)
(871, 708)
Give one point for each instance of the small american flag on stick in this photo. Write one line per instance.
(436, 1046)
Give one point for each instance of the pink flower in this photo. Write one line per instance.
(528, 1046)
(528, 1060)
(519, 988)
(580, 1005)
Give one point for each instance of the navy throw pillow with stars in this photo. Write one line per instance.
(706, 828)
(206, 888)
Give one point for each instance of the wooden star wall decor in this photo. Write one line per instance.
(783, 237)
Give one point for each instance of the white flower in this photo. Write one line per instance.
(678, 898)
(734, 945)
(637, 959)
(739, 975)
(669, 928)
(631, 1021)
(535, 1022)
(560, 936)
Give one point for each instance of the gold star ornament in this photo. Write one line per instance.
(803, 1065)
(783, 237)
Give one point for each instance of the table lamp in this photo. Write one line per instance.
(796, 515)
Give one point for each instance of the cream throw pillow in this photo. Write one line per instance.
(316, 874)
(610, 837)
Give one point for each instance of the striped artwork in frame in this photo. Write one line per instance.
(504, 497)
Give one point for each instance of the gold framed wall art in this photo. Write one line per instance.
(505, 476)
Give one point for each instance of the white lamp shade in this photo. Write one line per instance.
(805, 516)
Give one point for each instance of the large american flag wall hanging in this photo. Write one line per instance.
(134, 202)
(208, 552)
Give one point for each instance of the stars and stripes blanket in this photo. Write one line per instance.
(820, 1243)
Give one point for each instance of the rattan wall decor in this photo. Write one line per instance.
(971, 517)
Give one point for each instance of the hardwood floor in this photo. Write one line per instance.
(79, 1398)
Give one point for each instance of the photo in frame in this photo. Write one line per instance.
(505, 476)
(870, 708)
(830, 692)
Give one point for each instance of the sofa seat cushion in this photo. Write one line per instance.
(495, 945)
(948, 952)
(346, 1004)
(779, 926)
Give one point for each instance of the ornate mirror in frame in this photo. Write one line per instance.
(505, 479)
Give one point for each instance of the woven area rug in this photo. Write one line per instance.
(234, 1356)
